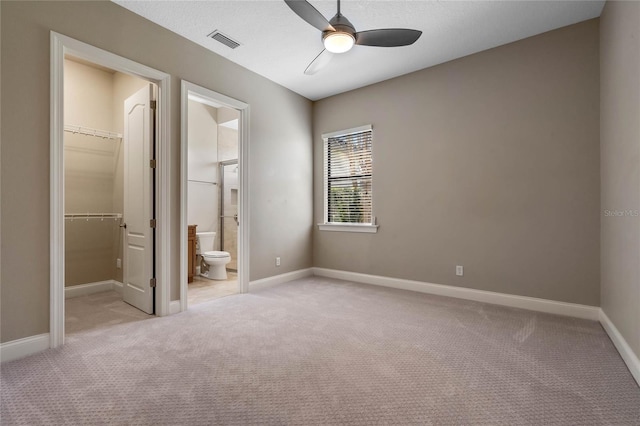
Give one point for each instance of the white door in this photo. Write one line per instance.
(138, 200)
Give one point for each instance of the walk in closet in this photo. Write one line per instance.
(94, 179)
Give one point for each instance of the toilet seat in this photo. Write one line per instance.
(216, 261)
(216, 254)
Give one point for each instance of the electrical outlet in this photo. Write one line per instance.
(459, 270)
(278, 261)
(118, 263)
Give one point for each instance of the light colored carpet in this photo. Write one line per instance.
(320, 351)
(98, 310)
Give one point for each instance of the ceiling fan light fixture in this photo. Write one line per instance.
(338, 41)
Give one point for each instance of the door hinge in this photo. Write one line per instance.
(152, 282)
(152, 223)
(153, 104)
(152, 163)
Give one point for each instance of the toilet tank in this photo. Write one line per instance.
(206, 241)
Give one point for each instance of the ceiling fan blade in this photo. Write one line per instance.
(319, 62)
(390, 37)
(309, 13)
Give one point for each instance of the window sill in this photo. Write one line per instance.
(348, 227)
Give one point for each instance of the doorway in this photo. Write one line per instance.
(214, 225)
(109, 190)
(85, 193)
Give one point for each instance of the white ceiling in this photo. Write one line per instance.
(279, 45)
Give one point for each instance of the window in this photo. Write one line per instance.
(348, 176)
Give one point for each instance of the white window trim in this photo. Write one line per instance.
(349, 227)
(364, 128)
(371, 228)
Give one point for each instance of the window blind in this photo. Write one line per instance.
(348, 178)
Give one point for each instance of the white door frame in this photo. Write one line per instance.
(215, 99)
(61, 45)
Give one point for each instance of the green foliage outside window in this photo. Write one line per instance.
(349, 203)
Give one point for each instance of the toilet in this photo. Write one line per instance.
(215, 260)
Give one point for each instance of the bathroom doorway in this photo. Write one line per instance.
(212, 200)
(109, 187)
(214, 203)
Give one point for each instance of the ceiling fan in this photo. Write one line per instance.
(339, 35)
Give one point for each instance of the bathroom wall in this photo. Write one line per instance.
(202, 187)
(90, 169)
(227, 114)
(227, 134)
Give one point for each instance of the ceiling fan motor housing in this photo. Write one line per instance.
(341, 25)
(341, 36)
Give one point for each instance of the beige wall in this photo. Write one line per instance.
(490, 162)
(280, 153)
(620, 167)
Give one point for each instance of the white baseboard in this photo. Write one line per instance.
(627, 354)
(174, 307)
(117, 287)
(523, 302)
(279, 279)
(21, 348)
(90, 288)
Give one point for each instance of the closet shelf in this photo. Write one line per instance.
(104, 134)
(87, 216)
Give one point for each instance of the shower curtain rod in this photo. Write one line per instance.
(201, 181)
(104, 134)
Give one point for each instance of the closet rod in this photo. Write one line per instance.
(87, 216)
(104, 134)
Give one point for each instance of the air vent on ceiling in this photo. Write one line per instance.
(226, 40)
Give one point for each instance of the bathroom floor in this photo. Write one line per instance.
(203, 290)
(99, 310)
